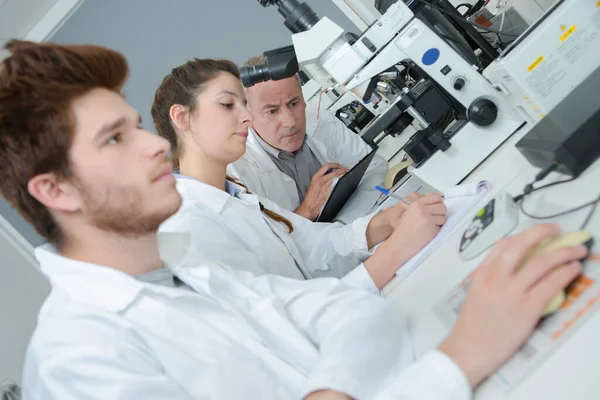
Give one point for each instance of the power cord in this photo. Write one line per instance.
(530, 189)
(520, 197)
(504, 6)
(589, 216)
(469, 6)
(540, 175)
(592, 203)
(464, 20)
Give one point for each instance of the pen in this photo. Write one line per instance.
(392, 195)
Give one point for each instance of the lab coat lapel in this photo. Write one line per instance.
(319, 149)
(312, 132)
(258, 154)
(272, 174)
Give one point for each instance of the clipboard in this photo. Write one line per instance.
(343, 189)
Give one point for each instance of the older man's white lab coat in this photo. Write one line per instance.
(330, 141)
(103, 334)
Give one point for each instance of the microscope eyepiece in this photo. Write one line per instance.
(279, 64)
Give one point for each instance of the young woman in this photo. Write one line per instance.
(200, 108)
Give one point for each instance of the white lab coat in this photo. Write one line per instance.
(331, 141)
(102, 334)
(229, 228)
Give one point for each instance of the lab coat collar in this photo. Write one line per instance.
(103, 286)
(262, 159)
(87, 283)
(312, 121)
(265, 146)
(207, 195)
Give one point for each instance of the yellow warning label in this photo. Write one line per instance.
(563, 28)
(535, 64)
(568, 33)
(598, 4)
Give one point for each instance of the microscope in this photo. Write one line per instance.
(403, 69)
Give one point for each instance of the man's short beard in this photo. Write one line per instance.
(117, 210)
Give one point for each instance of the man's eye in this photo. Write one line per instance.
(273, 111)
(114, 139)
(227, 105)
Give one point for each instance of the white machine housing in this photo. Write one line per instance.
(397, 36)
(331, 60)
(362, 13)
(551, 59)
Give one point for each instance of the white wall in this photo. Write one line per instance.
(18, 17)
(22, 292)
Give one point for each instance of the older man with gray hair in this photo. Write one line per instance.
(295, 151)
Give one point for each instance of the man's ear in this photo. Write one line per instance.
(54, 193)
(179, 116)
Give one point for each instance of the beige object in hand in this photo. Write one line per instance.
(565, 240)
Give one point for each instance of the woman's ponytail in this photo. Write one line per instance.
(269, 213)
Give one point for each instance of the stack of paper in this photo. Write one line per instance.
(459, 201)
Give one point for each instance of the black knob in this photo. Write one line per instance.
(482, 112)
(437, 138)
(459, 83)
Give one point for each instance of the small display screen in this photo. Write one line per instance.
(484, 217)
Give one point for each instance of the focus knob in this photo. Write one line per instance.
(482, 112)
(459, 83)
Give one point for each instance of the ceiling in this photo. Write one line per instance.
(18, 17)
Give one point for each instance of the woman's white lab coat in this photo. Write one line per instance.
(103, 334)
(229, 228)
(331, 141)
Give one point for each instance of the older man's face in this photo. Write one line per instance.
(278, 108)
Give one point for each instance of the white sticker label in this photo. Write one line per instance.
(407, 38)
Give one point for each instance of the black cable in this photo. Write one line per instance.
(518, 198)
(560, 214)
(538, 177)
(469, 6)
(466, 20)
(530, 189)
(502, 45)
(475, 8)
(589, 216)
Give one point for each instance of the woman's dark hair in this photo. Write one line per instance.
(182, 86)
